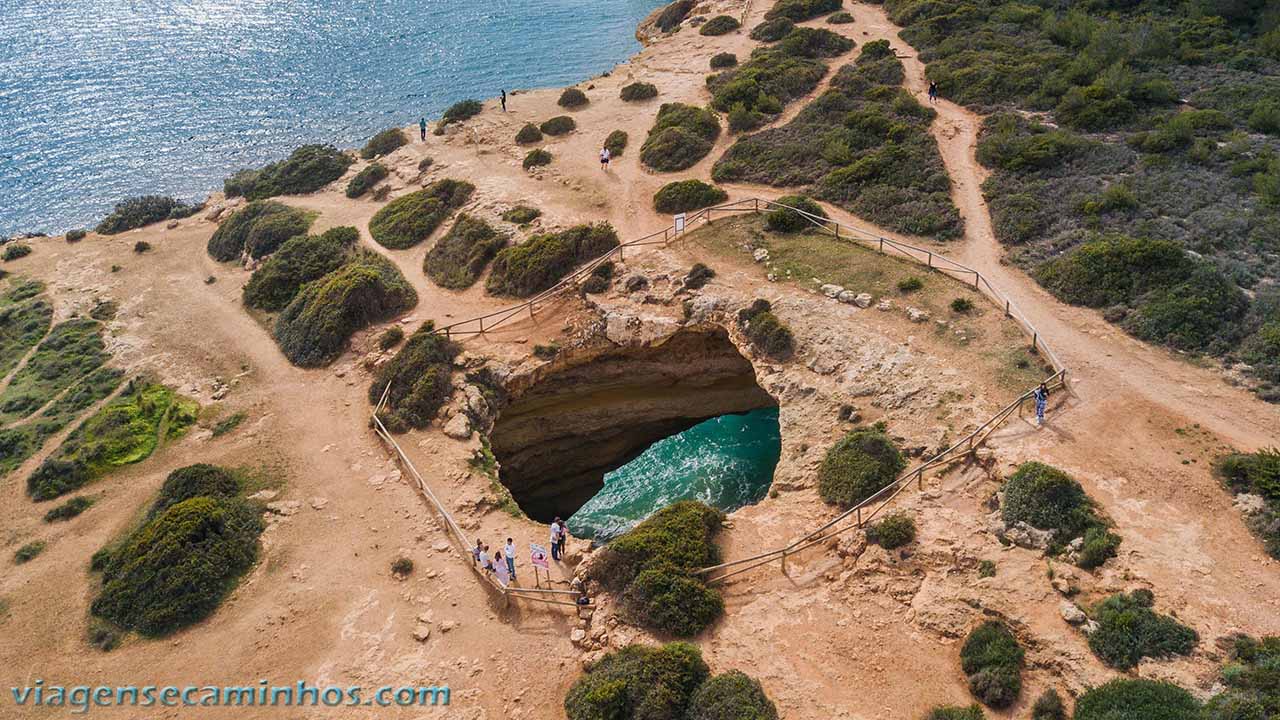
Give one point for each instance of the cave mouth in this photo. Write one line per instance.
(569, 424)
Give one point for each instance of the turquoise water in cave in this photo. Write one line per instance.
(726, 462)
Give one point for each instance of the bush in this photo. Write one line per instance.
(522, 214)
(541, 261)
(766, 82)
(1137, 700)
(199, 480)
(299, 261)
(369, 176)
(772, 30)
(69, 509)
(316, 325)
(419, 379)
(306, 170)
(1049, 707)
(28, 552)
(723, 60)
(986, 569)
(686, 195)
(681, 136)
(719, 25)
(858, 466)
(638, 682)
(390, 338)
(76, 235)
(961, 305)
(529, 134)
(770, 336)
(15, 250)
(993, 661)
(571, 98)
(176, 569)
(594, 285)
(410, 219)
(232, 237)
(1100, 545)
(424, 164)
(1047, 498)
(637, 91)
(954, 712)
(672, 601)
(461, 110)
(558, 125)
(458, 258)
(384, 143)
(272, 230)
(840, 18)
(787, 220)
(814, 43)
(141, 246)
(1128, 630)
(673, 14)
(536, 158)
(910, 284)
(139, 211)
(616, 141)
(801, 10)
(1249, 677)
(698, 276)
(894, 531)
(733, 695)
(402, 566)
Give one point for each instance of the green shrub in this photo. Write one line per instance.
(461, 110)
(672, 601)
(681, 136)
(76, 235)
(390, 338)
(233, 236)
(686, 195)
(1100, 545)
(571, 98)
(787, 220)
(772, 30)
(199, 480)
(15, 250)
(137, 212)
(1252, 691)
(546, 352)
(1202, 313)
(369, 176)
(28, 552)
(272, 230)
(299, 261)
(675, 13)
(458, 258)
(637, 91)
(986, 569)
(992, 659)
(954, 712)
(743, 120)
(1129, 630)
(402, 566)
(141, 246)
(1049, 707)
(229, 423)
(638, 682)
(723, 60)
(770, 336)
(176, 569)
(1047, 498)
(840, 18)
(719, 25)
(814, 43)
(698, 276)
(766, 82)
(733, 695)
(801, 10)
(69, 509)
(384, 143)
(410, 219)
(858, 466)
(1137, 700)
(541, 261)
(594, 285)
(313, 329)
(306, 170)
(961, 305)
(529, 134)
(522, 214)
(894, 531)
(558, 125)
(71, 350)
(910, 285)
(419, 377)
(616, 141)
(536, 158)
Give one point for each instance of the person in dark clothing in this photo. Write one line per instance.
(933, 91)
(503, 98)
(1041, 396)
(422, 128)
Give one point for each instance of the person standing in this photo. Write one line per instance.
(422, 128)
(500, 569)
(1041, 395)
(933, 91)
(604, 159)
(503, 98)
(556, 531)
(485, 562)
(564, 536)
(510, 550)
(475, 551)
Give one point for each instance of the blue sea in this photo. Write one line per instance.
(105, 99)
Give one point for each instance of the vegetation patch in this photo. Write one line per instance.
(864, 144)
(686, 195)
(955, 712)
(894, 531)
(299, 261)
(1249, 676)
(28, 552)
(675, 13)
(681, 136)
(993, 660)
(522, 214)
(772, 30)
(1256, 474)
(306, 170)
(71, 350)
(651, 569)
(461, 110)
(1129, 630)
(762, 86)
(458, 258)
(723, 60)
(315, 326)
(124, 431)
(616, 142)
(861, 464)
(541, 261)
(408, 220)
(768, 334)
(572, 98)
(558, 125)
(137, 212)
(370, 175)
(797, 214)
(698, 276)
(390, 337)
(259, 228)
(20, 442)
(76, 235)
(719, 25)
(23, 323)
(801, 10)
(840, 18)
(1047, 498)
(228, 424)
(417, 381)
(1049, 706)
(1137, 700)
(384, 143)
(536, 158)
(15, 250)
(529, 134)
(638, 91)
(69, 509)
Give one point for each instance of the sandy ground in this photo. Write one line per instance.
(1139, 430)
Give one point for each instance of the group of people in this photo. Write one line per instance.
(503, 562)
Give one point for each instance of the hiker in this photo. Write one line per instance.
(604, 159)
(564, 536)
(475, 551)
(422, 128)
(933, 91)
(504, 99)
(500, 569)
(557, 532)
(485, 563)
(510, 550)
(1041, 394)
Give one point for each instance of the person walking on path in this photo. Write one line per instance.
(556, 530)
(500, 569)
(564, 535)
(422, 128)
(475, 551)
(604, 159)
(933, 91)
(1041, 395)
(510, 550)
(503, 98)
(485, 562)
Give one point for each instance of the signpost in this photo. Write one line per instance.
(538, 558)
(679, 223)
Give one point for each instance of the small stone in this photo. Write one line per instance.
(318, 503)
(447, 625)
(421, 633)
(863, 300)
(917, 315)
(264, 495)
(885, 304)
(1072, 613)
(284, 507)
(459, 428)
(847, 297)
(578, 636)
(831, 291)
(760, 255)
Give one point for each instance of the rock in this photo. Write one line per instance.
(264, 495)
(1063, 585)
(760, 255)
(917, 315)
(771, 277)
(1089, 626)
(884, 304)
(702, 307)
(1072, 613)
(625, 329)
(421, 633)
(214, 214)
(831, 291)
(578, 637)
(171, 225)
(459, 428)
(1250, 504)
(1023, 535)
(862, 300)
(447, 625)
(318, 503)
(635, 283)
(847, 297)
(284, 507)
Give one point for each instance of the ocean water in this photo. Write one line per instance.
(726, 462)
(104, 99)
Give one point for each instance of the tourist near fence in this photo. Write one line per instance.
(856, 516)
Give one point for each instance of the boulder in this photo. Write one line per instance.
(831, 291)
(702, 307)
(459, 427)
(1072, 613)
(884, 304)
(1023, 535)
(760, 255)
(917, 315)
(635, 283)
(848, 297)
(1250, 504)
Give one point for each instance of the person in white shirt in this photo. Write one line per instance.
(556, 531)
(485, 563)
(500, 569)
(604, 159)
(510, 551)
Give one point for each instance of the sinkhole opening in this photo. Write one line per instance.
(606, 437)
